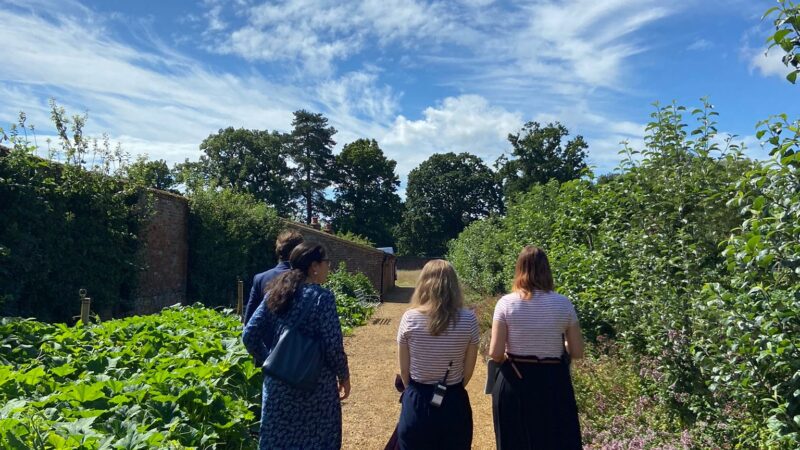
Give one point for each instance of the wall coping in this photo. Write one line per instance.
(305, 227)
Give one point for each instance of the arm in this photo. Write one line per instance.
(405, 363)
(575, 341)
(497, 346)
(469, 362)
(252, 300)
(331, 336)
(256, 332)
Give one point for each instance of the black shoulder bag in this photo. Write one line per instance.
(296, 359)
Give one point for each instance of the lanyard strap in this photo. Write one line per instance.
(444, 380)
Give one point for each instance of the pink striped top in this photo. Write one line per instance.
(535, 326)
(430, 355)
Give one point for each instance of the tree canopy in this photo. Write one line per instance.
(366, 202)
(445, 194)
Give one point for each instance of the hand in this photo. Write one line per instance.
(344, 388)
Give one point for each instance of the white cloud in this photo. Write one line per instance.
(468, 123)
(700, 44)
(358, 93)
(317, 34)
(766, 63)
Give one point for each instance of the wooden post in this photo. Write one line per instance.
(86, 304)
(240, 297)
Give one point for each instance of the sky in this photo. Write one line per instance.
(420, 77)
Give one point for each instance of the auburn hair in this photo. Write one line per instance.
(439, 293)
(283, 288)
(532, 272)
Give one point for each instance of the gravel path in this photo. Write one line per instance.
(371, 412)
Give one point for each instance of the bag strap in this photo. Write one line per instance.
(304, 313)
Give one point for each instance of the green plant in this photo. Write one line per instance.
(356, 299)
(67, 225)
(357, 238)
(178, 379)
(231, 235)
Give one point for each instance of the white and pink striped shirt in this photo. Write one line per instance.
(430, 355)
(535, 326)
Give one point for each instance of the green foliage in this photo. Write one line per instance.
(178, 379)
(445, 193)
(366, 192)
(66, 226)
(231, 235)
(538, 156)
(311, 147)
(152, 174)
(748, 341)
(787, 35)
(356, 299)
(252, 161)
(357, 238)
(715, 332)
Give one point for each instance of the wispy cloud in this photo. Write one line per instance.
(700, 44)
(503, 64)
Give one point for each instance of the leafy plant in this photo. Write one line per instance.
(356, 299)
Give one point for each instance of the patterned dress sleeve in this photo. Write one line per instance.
(258, 331)
(331, 334)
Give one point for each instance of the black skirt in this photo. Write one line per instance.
(537, 411)
(422, 426)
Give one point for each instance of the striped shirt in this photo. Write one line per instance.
(535, 326)
(431, 355)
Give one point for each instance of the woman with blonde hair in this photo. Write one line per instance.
(535, 333)
(438, 344)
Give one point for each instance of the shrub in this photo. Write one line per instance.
(231, 235)
(66, 226)
(355, 297)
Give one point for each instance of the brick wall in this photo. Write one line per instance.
(378, 266)
(412, 262)
(163, 282)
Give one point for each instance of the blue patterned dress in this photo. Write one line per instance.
(292, 418)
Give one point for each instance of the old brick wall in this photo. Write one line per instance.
(166, 248)
(412, 262)
(377, 265)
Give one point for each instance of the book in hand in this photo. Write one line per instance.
(492, 369)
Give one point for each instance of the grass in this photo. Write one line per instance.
(407, 278)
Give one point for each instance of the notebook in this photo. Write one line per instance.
(492, 368)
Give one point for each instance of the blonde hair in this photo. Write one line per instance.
(439, 293)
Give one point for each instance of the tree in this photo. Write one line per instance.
(367, 203)
(538, 156)
(252, 161)
(787, 35)
(311, 148)
(445, 194)
(155, 174)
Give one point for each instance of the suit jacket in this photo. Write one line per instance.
(260, 282)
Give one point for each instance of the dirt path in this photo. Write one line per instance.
(371, 412)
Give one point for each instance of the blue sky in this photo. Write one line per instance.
(419, 76)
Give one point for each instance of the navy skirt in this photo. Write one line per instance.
(537, 411)
(423, 426)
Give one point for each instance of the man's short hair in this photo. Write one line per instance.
(286, 242)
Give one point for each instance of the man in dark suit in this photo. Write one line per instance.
(284, 245)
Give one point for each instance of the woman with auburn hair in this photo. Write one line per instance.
(535, 333)
(438, 344)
